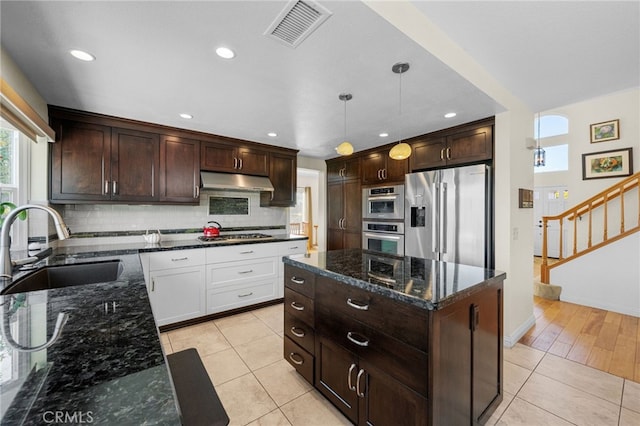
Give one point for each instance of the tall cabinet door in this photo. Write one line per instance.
(180, 169)
(135, 165)
(80, 162)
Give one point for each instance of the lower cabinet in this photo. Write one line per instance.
(175, 283)
(363, 392)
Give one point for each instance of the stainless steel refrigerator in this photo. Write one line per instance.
(448, 215)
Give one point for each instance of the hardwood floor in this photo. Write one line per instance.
(601, 339)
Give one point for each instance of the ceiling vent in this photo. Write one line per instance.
(296, 21)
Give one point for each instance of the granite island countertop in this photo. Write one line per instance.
(107, 367)
(425, 283)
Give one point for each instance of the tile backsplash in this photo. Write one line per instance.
(116, 217)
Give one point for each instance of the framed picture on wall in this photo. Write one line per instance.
(607, 164)
(605, 131)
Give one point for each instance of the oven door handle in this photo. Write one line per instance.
(381, 278)
(383, 197)
(381, 236)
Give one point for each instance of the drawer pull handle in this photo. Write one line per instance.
(293, 248)
(295, 332)
(297, 307)
(364, 343)
(351, 387)
(246, 272)
(297, 280)
(246, 252)
(179, 259)
(356, 305)
(295, 361)
(245, 295)
(358, 392)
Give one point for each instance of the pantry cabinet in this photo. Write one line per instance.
(344, 204)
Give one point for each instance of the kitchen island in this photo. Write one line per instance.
(396, 340)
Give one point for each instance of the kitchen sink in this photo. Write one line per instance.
(58, 276)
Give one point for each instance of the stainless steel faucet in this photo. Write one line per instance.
(5, 243)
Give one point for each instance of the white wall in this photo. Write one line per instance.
(320, 206)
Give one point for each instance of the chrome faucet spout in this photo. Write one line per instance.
(5, 243)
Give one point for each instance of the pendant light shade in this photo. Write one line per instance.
(345, 148)
(402, 150)
(539, 156)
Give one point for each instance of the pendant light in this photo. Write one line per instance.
(345, 148)
(402, 150)
(539, 156)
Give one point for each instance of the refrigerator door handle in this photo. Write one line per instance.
(443, 216)
(434, 219)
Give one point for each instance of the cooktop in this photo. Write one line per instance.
(232, 237)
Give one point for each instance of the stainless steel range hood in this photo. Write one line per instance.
(235, 182)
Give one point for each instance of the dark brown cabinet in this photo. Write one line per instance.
(179, 170)
(229, 158)
(378, 168)
(92, 162)
(467, 145)
(344, 203)
(283, 176)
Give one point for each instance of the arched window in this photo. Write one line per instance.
(551, 125)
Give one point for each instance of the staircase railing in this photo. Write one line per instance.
(596, 208)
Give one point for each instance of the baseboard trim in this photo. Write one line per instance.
(510, 340)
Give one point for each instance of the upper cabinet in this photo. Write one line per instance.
(179, 170)
(99, 163)
(283, 176)
(224, 157)
(340, 168)
(378, 167)
(460, 145)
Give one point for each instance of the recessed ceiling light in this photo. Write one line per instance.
(383, 134)
(82, 55)
(225, 52)
(272, 134)
(450, 115)
(186, 116)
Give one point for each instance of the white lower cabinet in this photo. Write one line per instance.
(186, 284)
(176, 284)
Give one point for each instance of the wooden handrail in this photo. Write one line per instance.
(602, 199)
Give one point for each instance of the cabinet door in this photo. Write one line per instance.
(253, 162)
(335, 205)
(283, 176)
(179, 170)
(487, 351)
(352, 168)
(335, 239)
(352, 200)
(80, 162)
(177, 294)
(218, 157)
(428, 154)
(351, 240)
(395, 170)
(335, 368)
(372, 168)
(135, 165)
(386, 401)
(335, 169)
(470, 146)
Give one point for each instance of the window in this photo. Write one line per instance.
(13, 169)
(551, 125)
(557, 156)
(557, 159)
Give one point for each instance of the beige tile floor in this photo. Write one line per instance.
(243, 356)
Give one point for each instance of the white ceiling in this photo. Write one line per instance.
(156, 60)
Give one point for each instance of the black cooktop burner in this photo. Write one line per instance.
(231, 237)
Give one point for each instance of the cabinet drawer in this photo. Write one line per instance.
(299, 332)
(176, 259)
(300, 359)
(376, 311)
(299, 306)
(238, 252)
(300, 280)
(399, 360)
(219, 300)
(292, 247)
(224, 274)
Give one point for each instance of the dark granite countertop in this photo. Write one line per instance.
(107, 367)
(424, 283)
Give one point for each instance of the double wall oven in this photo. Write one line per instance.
(383, 219)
